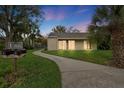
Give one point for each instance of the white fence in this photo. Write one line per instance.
(15, 45)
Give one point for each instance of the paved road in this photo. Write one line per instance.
(83, 74)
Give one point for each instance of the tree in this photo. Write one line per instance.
(100, 36)
(16, 20)
(72, 30)
(59, 29)
(2, 39)
(2, 35)
(63, 29)
(112, 19)
(41, 42)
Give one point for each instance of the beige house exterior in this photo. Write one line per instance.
(69, 41)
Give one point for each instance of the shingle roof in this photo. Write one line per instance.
(69, 35)
(53, 34)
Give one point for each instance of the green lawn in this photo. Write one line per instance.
(33, 71)
(95, 56)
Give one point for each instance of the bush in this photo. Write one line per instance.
(45, 49)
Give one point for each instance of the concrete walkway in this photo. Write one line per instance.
(81, 74)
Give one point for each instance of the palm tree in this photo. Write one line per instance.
(112, 18)
(59, 29)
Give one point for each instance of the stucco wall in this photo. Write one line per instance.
(52, 43)
(79, 45)
(94, 46)
(85, 45)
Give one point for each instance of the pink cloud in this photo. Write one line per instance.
(53, 15)
(81, 11)
(82, 26)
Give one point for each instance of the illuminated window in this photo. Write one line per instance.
(62, 44)
(87, 45)
(71, 44)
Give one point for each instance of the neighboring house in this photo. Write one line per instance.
(69, 41)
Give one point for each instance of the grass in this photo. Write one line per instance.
(94, 56)
(33, 72)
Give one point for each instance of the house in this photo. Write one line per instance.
(69, 41)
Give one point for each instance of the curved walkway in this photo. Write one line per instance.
(77, 73)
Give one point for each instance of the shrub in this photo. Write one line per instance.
(3, 82)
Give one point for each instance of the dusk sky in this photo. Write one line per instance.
(77, 16)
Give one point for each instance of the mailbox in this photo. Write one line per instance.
(14, 49)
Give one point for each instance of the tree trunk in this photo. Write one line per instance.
(32, 42)
(7, 39)
(9, 35)
(118, 48)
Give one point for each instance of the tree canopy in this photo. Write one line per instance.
(59, 29)
(110, 19)
(63, 29)
(18, 22)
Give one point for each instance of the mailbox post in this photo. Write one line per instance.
(14, 51)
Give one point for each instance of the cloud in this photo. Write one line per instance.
(81, 11)
(82, 26)
(53, 15)
(61, 12)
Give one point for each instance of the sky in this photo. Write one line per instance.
(72, 15)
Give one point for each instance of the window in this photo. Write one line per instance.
(71, 44)
(62, 44)
(87, 45)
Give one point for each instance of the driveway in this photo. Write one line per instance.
(83, 74)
